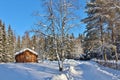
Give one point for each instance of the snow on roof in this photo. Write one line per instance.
(25, 50)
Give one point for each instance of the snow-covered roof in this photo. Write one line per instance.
(21, 51)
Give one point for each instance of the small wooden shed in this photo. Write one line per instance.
(26, 55)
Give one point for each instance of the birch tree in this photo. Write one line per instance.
(57, 23)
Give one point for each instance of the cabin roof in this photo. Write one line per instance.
(23, 50)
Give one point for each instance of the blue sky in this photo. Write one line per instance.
(18, 13)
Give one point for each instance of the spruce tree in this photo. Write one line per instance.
(96, 21)
(1, 37)
(18, 44)
(0, 40)
(26, 40)
(33, 42)
(3, 43)
(102, 24)
(10, 44)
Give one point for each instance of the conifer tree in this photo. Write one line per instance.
(3, 43)
(26, 40)
(102, 24)
(1, 37)
(34, 42)
(95, 25)
(10, 44)
(18, 44)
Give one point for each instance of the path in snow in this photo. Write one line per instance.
(91, 71)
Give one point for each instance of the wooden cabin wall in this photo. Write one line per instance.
(26, 56)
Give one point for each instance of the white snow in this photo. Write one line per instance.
(59, 77)
(48, 70)
(108, 61)
(25, 50)
(73, 71)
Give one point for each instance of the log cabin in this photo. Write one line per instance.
(26, 56)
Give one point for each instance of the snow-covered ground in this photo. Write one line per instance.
(48, 70)
(109, 63)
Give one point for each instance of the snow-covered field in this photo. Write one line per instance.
(48, 70)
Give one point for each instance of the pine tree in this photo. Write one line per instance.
(18, 44)
(1, 46)
(26, 40)
(4, 45)
(102, 23)
(70, 45)
(3, 51)
(95, 25)
(10, 44)
(34, 42)
(96, 19)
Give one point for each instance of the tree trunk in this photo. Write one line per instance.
(60, 63)
(116, 56)
(105, 57)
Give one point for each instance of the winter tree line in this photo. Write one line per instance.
(51, 35)
(101, 36)
(11, 43)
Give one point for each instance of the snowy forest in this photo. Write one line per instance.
(50, 50)
(50, 36)
(10, 44)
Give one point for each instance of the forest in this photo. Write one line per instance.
(51, 36)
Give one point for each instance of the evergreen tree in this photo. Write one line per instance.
(18, 44)
(34, 42)
(26, 40)
(95, 20)
(95, 25)
(70, 45)
(102, 24)
(1, 37)
(10, 44)
(3, 43)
